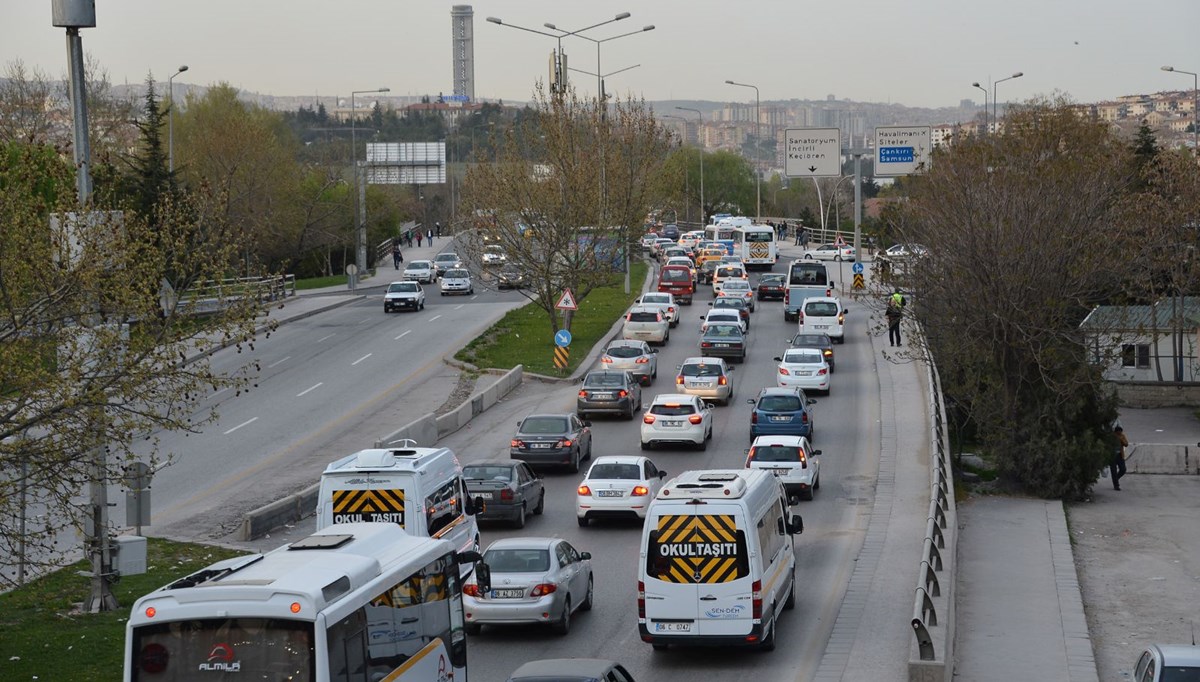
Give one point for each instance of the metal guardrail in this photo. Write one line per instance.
(209, 296)
(933, 601)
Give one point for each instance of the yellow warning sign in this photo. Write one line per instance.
(759, 250)
(699, 549)
(858, 281)
(353, 506)
(561, 355)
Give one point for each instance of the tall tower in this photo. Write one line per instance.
(462, 29)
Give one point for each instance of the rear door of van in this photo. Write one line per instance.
(698, 572)
(357, 496)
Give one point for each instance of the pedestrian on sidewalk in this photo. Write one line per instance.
(429, 236)
(895, 313)
(438, 227)
(397, 257)
(1117, 467)
(418, 240)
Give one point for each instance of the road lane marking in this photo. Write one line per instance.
(311, 388)
(403, 335)
(365, 321)
(434, 318)
(360, 359)
(218, 392)
(460, 305)
(279, 362)
(249, 421)
(475, 297)
(326, 337)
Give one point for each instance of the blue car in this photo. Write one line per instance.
(781, 412)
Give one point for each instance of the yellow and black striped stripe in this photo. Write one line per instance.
(361, 505)
(700, 549)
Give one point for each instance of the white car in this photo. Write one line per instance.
(675, 418)
(457, 281)
(617, 486)
(644, 323)
(830, 252)
(823, 315)
(493, 254)
(793, 461)
(403, 296)
(664, 302)
(803, 368)
(723, 316)
(738, 288)
(683, 261)
(421, 271)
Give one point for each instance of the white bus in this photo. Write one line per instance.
(356, 601)
(722, 228)
(756, 246)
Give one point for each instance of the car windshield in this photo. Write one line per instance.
(517, 560)
(773, 280)
(544, 425)
(605, 379)
(821, 309)
(729, 303)
(779, 403)
(701, 370)
(643, 317)
(457, 274)
(737, 285)
(402, 286)
(485, 472)
(729, 272)
(775, 453)
(673, 409)
(803, 356)
(810, 340)
(624, 352)
(728, 316)
(724, 331)
(612, 470)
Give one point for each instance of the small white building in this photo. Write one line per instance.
(1140, 342)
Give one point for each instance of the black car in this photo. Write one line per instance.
(709, 268)
(772, 287)
(510, 490)
(670, 232)
(552, 439)
(821, 342)
(511, 278)
(609, 392)
(738, 304)
(724, 341)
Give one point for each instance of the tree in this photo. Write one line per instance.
(150, 180)
(84, 332)
(24, 114)
(568, 187)
(1022, 243)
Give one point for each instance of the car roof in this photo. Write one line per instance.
(777, 390)
(812, 338)
(796, 441)
(619, 459)
(699, 360)
(662, 398)
(548, 414)
(447, 254)
(581, 667)
(493, 463)
(820, 299)
(618, 372)
(625, 343)
(523, 543)
(418, 262)
(1179, 654)
(639, 308)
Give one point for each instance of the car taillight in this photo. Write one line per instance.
(783, 371)
(822, 372)
(828, 352)
(695, 419)
(803, 460)
(648, 419)
(642, 361)
(705, 344)
(583, 490)
(756, 600)
(517, 443)
(754, 417)
(622, 393)
(841, 319)
(641, 599)
(800, 317)
(803, 417)
(565, 443)
(472, 590)
(787, 297)
(606, 359)
(583, 394)
(544, 589)
(679, 380)
(640, 491)
(670, 309)
(506, 494)
(722, 381)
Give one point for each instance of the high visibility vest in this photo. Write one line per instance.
(897, 299)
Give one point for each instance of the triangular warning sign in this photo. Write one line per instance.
(566, 301)
(840, 241)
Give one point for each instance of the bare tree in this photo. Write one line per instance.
(26, 105)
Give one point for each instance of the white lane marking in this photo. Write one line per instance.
(434, 318)
(404, 334)
(279, 362)
(218, 392)
(326, 337)
(365, 321)
(460, 305)
(475, 297)
(311, 388)
(361, 359)
(248, 421)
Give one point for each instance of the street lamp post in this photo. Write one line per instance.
(599, 79)
(1195, 114)
(699, 113)
(985, 105)
(171, 119)
(757, 142)
(360, 190)
(559, 86)
(995, 109)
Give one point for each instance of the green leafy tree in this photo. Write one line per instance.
(150, 181)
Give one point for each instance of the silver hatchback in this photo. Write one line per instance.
(707, 378)
(633, 356)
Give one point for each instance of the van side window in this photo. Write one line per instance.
(442, 507)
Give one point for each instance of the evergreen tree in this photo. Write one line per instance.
(1145, 145)
(150, 180)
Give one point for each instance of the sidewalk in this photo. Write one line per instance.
(384, 272)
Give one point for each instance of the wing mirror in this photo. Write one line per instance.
(777, 359)
(750, 400)
(814, 453)
(810, 401)
(662, 474)
(585, 555)
(795, 525)
(845, 311)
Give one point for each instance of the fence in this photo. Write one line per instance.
(210, 296)
(933, 601)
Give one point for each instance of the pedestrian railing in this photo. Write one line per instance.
(933, 600)
(211, 296)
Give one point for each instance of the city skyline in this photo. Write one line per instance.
(924, 56)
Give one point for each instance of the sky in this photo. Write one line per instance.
(920, 53)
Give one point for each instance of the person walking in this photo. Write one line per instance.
(418, 240)
(1117, 466)
(895, 313)
(438, 228)
(397, 257)
(429, 236)
(796, 235)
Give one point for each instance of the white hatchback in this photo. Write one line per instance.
(617, 486)
(664, 302)
(792, 459)
(674, 418)
(457, 281)
(803, 368)
(645, 323)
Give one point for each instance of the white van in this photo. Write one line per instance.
(420, 489)
(717, 562)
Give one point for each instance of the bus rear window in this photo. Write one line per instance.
(223, 648)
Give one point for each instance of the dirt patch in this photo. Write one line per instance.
(461, 393)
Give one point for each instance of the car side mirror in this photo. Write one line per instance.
(814, 453)
(730, 369)
(795, 525)
(709, 405)
(587, 423)
(477, 505)
(846, 311)
(810, 401)
(662, 474)
(585, 555)
(654, 350)
(483, 576)
(750, 400)
(777, 359)
(710, 304)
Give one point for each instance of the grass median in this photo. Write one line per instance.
(47, 638)
(524, 336)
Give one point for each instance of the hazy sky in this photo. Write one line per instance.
(913, 52)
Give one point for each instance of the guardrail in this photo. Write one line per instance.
(933, 600)
(209, 296)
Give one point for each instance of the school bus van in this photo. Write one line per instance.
(717, 564)
(419, 489)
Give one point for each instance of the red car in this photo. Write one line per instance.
(677, 280)
(771, 286)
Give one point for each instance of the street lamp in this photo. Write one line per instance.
(559, 71)
(1195, 114)
(359, 190)
(699, 113)
(995, 109)
(757, 142)
(599, 81)
(985, 105)
(171, 119)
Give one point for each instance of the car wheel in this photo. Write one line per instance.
(768, 643)
(703, 444)
(791, 598)
(587, 601)
(574, 466)
(541, 505)
(645, 446)
(422, 305)
(563, 625)
(817, 482)
(629, 414)
(837, 259)
(473, 628)
(519, 522)
(806, 495)
(658, 647)
(582, 521)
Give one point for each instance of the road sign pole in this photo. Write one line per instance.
(857, 205)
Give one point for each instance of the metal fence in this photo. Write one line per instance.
(210, 296)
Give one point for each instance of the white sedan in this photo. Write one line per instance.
(803, 368)
(675, 418)
(457, 281)
(421, 271)
(830, 252)
(617, 486)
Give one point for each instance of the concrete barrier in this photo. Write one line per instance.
(1162, 458)
(423, 431)
(279, 513)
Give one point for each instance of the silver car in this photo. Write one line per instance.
(705, 377)
(457, 281)
(633, 356)
(534, 580)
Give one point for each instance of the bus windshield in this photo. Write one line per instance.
(245, 648)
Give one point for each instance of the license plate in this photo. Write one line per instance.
(540, 446)
(608, 493)
(779, 472)
(672, 627)
(699, 384)
(602, 396)
(803, 374)
(721, 345)
(821, 326)
(488, 494)
(673, 422)
(508, 594)
(781, 419)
